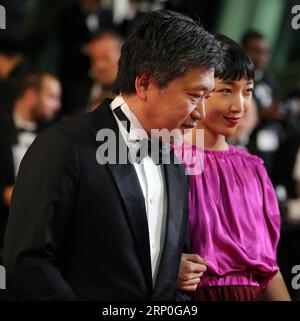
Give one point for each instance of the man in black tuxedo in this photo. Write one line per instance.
(81, 228)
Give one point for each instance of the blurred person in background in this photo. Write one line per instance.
(258, 48)
(269, 132)
(132, 16)
(75, 26)
(57, 36)
(287, 182)
(13, 65)
(104, 50)
(37, 101)
(287, 162)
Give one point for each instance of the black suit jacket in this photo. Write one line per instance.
(78, 230)
(8, 138)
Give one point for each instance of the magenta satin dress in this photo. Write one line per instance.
(234, 218)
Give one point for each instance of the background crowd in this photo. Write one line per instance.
(59, 59)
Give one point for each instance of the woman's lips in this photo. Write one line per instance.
(233, 120)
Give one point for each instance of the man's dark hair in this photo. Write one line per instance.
(250, 34)
(165, 44)
(236, 63)
(31, 80)
(98, 35)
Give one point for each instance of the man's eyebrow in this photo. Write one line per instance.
(203, 89)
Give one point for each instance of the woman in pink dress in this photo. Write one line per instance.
(234, 217)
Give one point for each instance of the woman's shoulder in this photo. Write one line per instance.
(236, 157)
(233, 155)
(243, 153)
(234, 152)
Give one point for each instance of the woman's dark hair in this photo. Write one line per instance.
(165, 44)
(236, 63)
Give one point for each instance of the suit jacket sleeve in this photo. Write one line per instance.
(6, 168)
(183, 295)
(42, 207)
(187, 247)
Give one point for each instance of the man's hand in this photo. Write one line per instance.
(7, 193)
(191, 269)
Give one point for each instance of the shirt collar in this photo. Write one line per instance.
(136, 132)
(27, 125)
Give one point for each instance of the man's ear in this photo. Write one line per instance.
(142, 83)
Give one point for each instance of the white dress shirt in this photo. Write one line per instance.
(151, 179)
(25, 139)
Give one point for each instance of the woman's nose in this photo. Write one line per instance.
(237, 106)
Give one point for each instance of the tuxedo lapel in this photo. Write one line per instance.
(133, 200)
(129, 188)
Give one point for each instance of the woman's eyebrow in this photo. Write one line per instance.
(228, 82)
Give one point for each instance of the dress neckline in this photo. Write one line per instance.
(227, 151)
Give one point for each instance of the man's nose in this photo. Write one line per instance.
(199, 112)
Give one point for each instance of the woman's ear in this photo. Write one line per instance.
(142, 83)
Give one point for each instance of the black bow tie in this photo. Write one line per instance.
(24, 130)
(156, 150)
